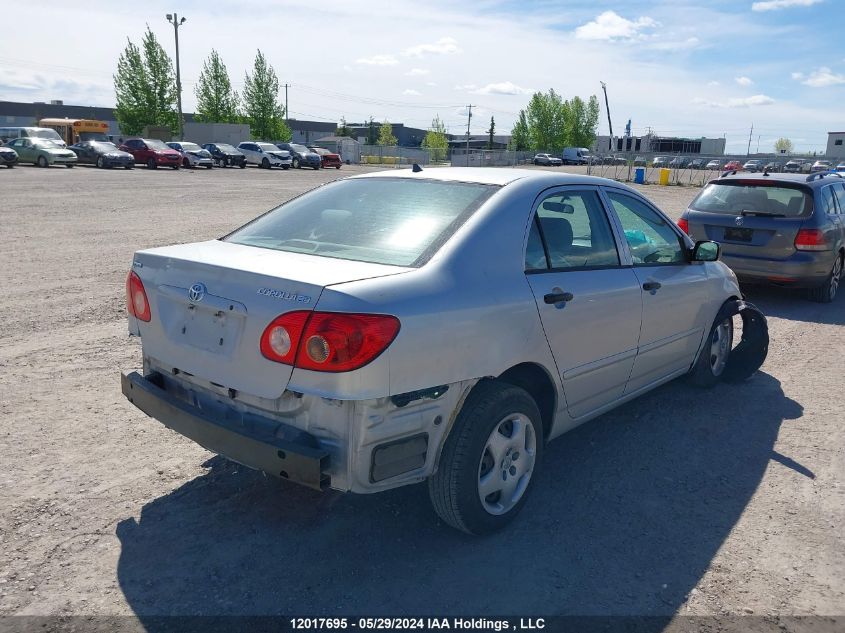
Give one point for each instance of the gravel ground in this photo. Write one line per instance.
(681, 502)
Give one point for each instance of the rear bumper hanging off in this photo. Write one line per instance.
(748, 356)
(293, 461)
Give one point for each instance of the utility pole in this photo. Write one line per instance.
(469, 118)
(750, 135)
(758, 143)
(287, 112)
(177, 22)
(607, 107)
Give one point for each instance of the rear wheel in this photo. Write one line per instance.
(711, 362)
(209, 166)
(185, 163)
(487, 464)
(243, 165)
(265, 163)
(69, 165)
(151, 163)
(42, 162)
(100, 162)
(337, 166)
(129, 166)
(295, 163)
(827, 291)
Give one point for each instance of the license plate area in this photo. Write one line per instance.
(210, 329)
(738, 235)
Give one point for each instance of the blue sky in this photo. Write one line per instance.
(678, 67)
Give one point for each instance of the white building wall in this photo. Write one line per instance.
(835, 145)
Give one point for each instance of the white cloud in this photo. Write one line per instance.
(411, 92)
(820, 78)
(378, 60)
(774, 5)
(466, 87)
(713, 83)
(610, 26)
(503, 88)
(742, 102)
(417, 72)
(743, 81)
(443, 46)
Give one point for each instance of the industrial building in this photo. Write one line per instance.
(654, 144)
(835, 145)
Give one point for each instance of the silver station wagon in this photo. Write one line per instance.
(438, 324)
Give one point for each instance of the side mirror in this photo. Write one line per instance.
(706, 251)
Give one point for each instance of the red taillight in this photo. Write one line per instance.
(328, 341)
(683, 224)
(810, 240)
(136, 298)
(280, 339)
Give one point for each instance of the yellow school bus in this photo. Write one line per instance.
(76, 130)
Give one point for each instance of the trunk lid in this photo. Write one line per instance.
(211, 301)
(749, 235)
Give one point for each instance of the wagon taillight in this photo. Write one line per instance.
(136, 298)
(328, 341)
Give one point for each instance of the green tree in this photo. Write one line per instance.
(582, 121)
(343, 129)
(216, 101)
(491, 132)
(436, 140)
(783, 146)
(520, 137)
(145, 87)
(385, 134)
(262, 110)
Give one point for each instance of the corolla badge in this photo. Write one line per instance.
(739, 221)
(196, 292)
(284, 294)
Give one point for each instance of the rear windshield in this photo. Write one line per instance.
(395, 221)
(734, 198)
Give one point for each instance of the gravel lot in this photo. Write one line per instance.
(684, 501)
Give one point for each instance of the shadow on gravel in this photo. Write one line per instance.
(627, 514)
(792, 304)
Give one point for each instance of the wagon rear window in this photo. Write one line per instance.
(395, 221)
(735, 197)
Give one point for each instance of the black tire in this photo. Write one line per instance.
(826, 292)
(295, 163)
(337, 166)
(175, 167)
(209, 166)
(130, 166)
(265, 163)
(151, 163)
(69, 165)
(42, 162)
(186, 163)
(10, 165)
(243, 165)
(705, 373)
(453, 488)
(285, 167)
(101, 163)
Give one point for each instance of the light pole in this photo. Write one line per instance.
(607, 107)
(176, 21)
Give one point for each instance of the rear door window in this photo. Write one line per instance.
(736, 197)
(839, 191)
(828, 200)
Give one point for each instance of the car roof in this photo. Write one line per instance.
(811, 180)
(495, 176)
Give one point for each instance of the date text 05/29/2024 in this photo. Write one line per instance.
(410, 624)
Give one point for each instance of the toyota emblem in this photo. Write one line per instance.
(739, 221)
(196, 292)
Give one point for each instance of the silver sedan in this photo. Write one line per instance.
(438, 325)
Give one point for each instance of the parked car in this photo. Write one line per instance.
(103, 154)
(301, 344)
(784, 230)
(841, 166)
(733, 165)
(547, 159)
(152, 153)
(8, 156)
(678, 162)
(660, 161)
(754, 165)
(793, 166)
(224, 155)
(42, 152)
(696, 163)
(328, 159)
(640, 161)
(576, 156)
(192, 154)
(301, 156)
(772, 167)
(714, 164)
(822, 165)
(265, 155)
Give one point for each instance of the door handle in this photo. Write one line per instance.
(651, 285)
(558, 297)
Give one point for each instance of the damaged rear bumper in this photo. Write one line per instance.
(748, 356)
(244, 441)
